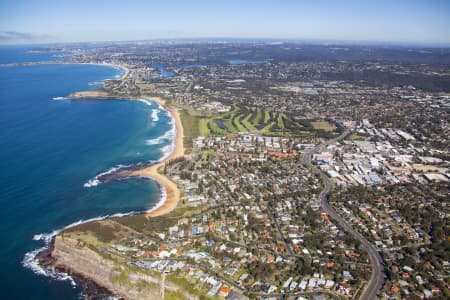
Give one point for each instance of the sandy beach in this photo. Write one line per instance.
(125, 68)
(124, 76)
(172, 191)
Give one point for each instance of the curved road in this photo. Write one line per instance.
(376, 280)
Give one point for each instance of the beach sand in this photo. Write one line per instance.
(172, 191)
(123, 67)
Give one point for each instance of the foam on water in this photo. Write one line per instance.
(31, 261)
(162, 195)
(146, 102)
(59, 98)
(162, 198)
(167, 136)
(167, 150)
(28, 255)
(154, 115)
(96, 83)
(97, 179)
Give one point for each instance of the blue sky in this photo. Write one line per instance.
(426, 21)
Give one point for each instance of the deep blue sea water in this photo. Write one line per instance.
(51, 149)
(19, 54)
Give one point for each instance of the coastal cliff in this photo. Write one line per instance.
(102, 273)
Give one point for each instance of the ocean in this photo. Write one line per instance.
(52, 152)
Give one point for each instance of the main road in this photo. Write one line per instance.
(376, 280)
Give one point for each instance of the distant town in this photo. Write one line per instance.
(310, 172)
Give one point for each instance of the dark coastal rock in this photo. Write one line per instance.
(45, 257)
(90, 289)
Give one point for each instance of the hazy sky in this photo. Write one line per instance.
(426, 21)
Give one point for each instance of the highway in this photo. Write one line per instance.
(375, 283)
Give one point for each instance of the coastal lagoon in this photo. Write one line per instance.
(53, 151)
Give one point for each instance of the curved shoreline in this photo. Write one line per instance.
(169, 193)
(63, 62)
(172, 193)
(125, 68)
(171, 190)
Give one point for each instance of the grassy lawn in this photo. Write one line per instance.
(237, 123)
(280, 121)
(230, 126)
(245, 119)
(87, 237)
(355, 136)
(190, 286)
(191, 128)
(323, 125)
(231, 113)
(247, 124)
(266, 117)
(214, 128)
(258, 117)
(266, 129)
(203, 127)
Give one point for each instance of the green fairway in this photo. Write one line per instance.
(249, 119)
(246, 122)
(258, 117)
(203, 127)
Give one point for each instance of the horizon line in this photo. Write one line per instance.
(309, 41)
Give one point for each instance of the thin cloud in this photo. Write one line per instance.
(15, 36)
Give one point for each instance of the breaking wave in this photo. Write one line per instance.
(146, 102)
(31, 260)
(98, 178)
(60, 98)
(166, 137)
(154, 115)
(96, 83)
(167, 150)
